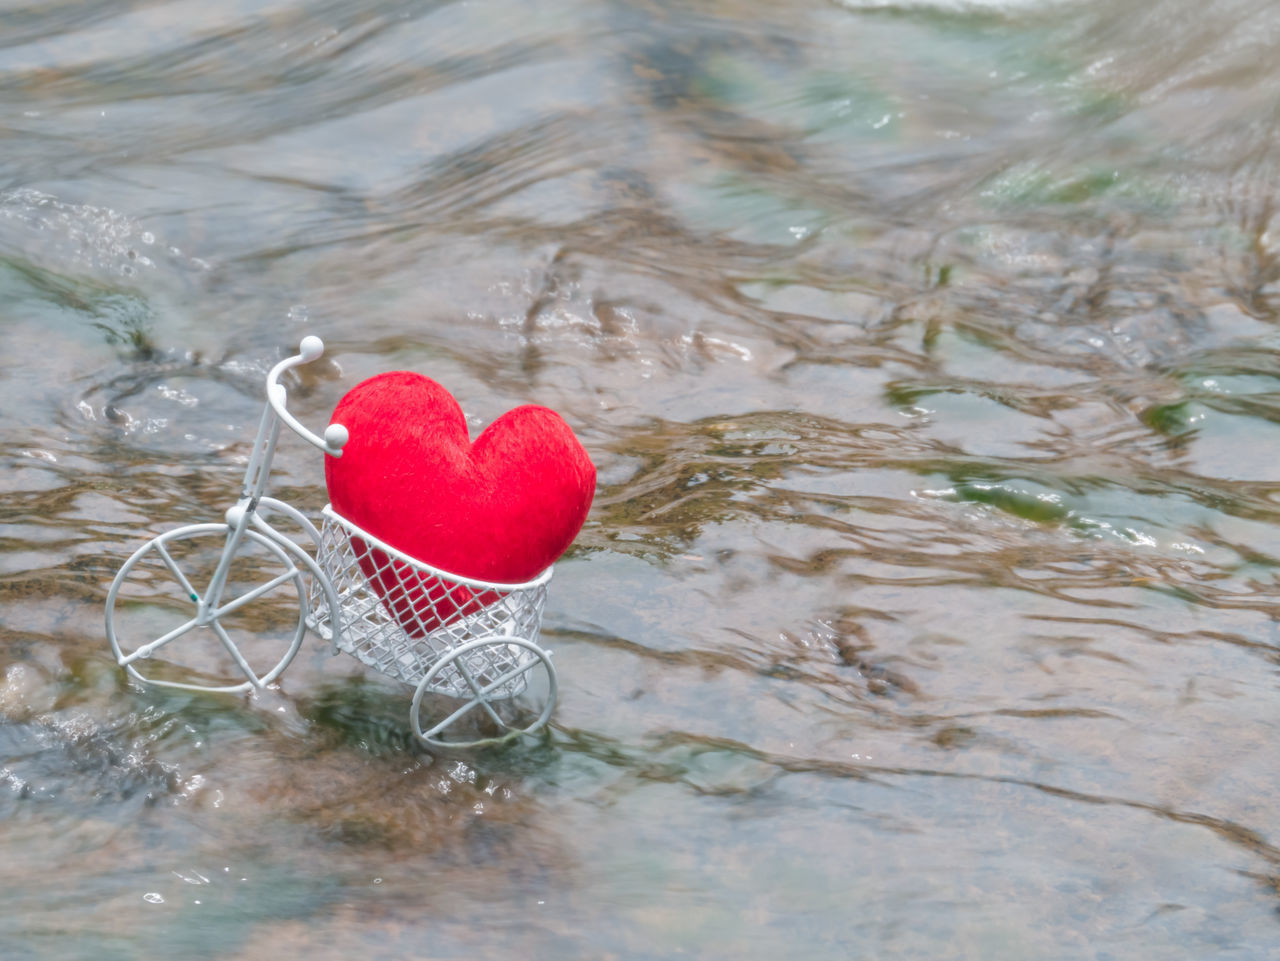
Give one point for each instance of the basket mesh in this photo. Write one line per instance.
(400, 617)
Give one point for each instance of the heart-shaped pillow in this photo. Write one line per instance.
(501, 509)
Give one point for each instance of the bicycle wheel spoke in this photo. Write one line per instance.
(503, 679)
(146, 650)
(235, 654)
(481, 696)
(170, 563)
(454, 716)
(257, 592)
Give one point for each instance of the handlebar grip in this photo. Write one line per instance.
(311, 348)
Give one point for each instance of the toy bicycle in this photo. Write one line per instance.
(216, 599)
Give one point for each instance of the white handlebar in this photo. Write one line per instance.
(335, 435)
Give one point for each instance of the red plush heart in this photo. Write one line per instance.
(501, 509)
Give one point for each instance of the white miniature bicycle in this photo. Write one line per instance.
(218, 599)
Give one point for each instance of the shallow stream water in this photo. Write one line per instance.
(928, 354)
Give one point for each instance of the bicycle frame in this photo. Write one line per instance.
(253, 490)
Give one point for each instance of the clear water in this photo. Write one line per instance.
(928, 354)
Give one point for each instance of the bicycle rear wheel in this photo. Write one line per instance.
(507, 686)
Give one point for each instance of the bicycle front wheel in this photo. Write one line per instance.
(165, 630)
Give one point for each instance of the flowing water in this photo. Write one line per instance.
(928, 354)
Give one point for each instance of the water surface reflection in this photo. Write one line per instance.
(928, 356)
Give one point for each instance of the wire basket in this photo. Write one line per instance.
(401, 616)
